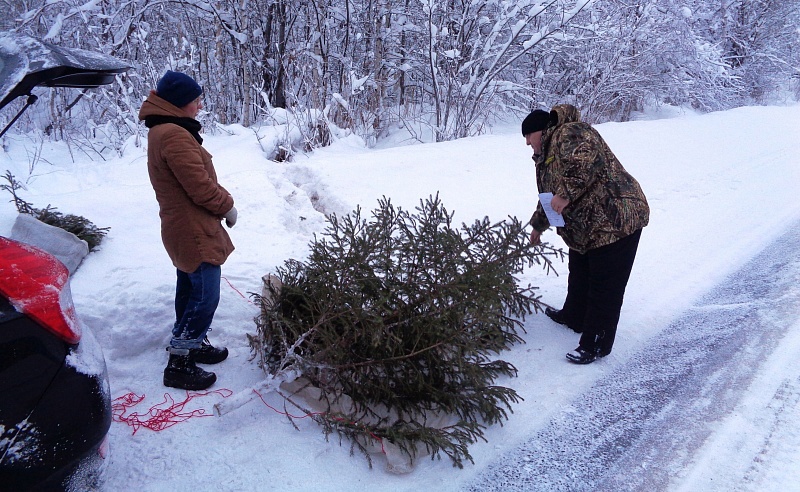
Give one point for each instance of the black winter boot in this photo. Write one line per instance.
(209, 354)
(181, 372)
(585, 356)
(558, 316)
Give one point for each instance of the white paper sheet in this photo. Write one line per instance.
(556, 219)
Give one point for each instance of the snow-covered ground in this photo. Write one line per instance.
(721, 187)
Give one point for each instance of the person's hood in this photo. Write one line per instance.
(561, 115)
(155, 106)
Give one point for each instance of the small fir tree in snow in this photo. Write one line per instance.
(399, 320)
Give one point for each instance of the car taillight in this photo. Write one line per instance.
(37, 284)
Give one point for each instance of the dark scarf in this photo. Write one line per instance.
(191, 125)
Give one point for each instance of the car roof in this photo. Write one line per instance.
(26, 62)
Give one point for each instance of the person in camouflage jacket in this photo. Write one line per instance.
(604, 211)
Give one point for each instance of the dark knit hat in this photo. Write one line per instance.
(536, 121)
(178, 88)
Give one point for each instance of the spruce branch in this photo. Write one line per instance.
(75, 224)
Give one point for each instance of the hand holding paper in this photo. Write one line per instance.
(555, 219)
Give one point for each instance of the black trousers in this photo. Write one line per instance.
(595, 290)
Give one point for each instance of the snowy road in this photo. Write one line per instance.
(720, 385)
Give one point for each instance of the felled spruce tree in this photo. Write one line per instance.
(80, 226)
(404, 315)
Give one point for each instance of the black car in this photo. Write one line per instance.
(55, 407)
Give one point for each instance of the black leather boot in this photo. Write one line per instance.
(181, 372)
(557, 315)
(584, 356)
(209, 354)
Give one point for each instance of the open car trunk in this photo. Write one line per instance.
(26, 62)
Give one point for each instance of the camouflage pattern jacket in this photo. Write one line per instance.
(605, 202)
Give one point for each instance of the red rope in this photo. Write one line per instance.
(159, 417)
(324, 414)
(237, 291)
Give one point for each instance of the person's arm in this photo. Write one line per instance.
(185, 160)
(578, 161)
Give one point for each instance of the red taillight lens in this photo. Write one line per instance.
(37, 284)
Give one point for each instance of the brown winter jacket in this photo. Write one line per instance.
(191, 201)
(605, 202)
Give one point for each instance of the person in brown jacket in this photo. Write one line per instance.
(603, 210)
(192, 205)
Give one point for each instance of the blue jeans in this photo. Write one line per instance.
(196, 300)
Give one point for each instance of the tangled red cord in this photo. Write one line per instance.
(159, 416)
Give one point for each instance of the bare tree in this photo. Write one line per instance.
(449, 66)
(472, 47)
(759, 39)
(623, 57)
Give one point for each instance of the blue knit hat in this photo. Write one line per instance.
(178, 88)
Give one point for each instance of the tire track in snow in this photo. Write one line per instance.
(756, 447)
(641, 426)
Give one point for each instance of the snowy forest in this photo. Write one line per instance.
(440, 69)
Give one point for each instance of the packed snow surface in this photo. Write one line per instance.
(721, 186)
